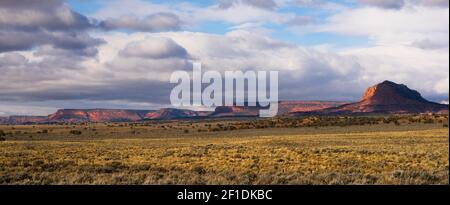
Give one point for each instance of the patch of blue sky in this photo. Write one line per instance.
(213, 27)
(320, 11)
(317, 14)
(86, 7)
(91, 6)
(279, 31)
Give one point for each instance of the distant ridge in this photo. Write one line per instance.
(172, 113)
(284, 108)
(127, 115)
(97, 115)
(23, 119)
(384, 98)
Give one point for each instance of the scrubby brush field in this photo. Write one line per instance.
(403, 150)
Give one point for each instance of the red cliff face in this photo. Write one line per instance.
(284, 107)
(96, 115)
(391, 98)
(115, 115)
(171, 113)
(391, 93)
(235, 111)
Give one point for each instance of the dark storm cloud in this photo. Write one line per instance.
(262, 4)
(59, 75)
(78, 42)
(152, 23)
(30, 3)
(19, 73)
(27, 24)
(48, 15)
(63, 79)
(133, 91)
(58, 52)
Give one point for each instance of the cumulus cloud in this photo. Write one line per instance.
(441, 86)
(142, 74)
(152, 23)
(230, 12)
(28, 24)
(60, 63)
(140, 65)
(129, 70)
(393, 27)
(425, 70)
(239, 13)
(306, 73)
(30, 15)
(155, 48)
(21, 73)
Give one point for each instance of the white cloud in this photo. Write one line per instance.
(308, 74)
(155, 48)
(238, 12)
(305, 71)
(441, 86)
(410, 46)
(392, 27)
(418, 68)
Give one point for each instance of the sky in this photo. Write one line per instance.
(120, 53)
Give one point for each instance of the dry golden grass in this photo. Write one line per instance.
(406, 154)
